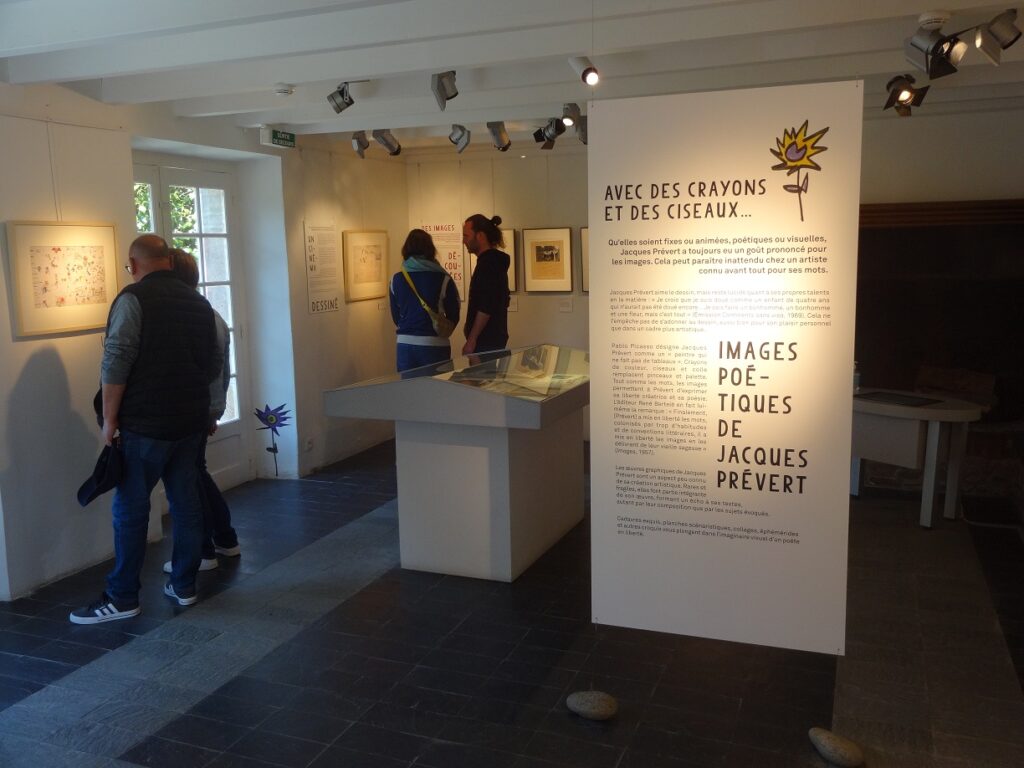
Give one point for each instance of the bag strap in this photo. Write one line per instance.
(444, 292)
(426, 307)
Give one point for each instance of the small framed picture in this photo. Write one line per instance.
(547, 256)
(509, 236)
(64, 275)
(366, 264)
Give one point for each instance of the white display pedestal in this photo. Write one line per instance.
(488, 480)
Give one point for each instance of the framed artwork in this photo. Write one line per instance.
(585, 257)
(547, 257)
(63, 274)
(510, 249)
(366, 264)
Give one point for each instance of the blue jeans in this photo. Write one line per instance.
(216, 515)
(416, 355)
(146, 461)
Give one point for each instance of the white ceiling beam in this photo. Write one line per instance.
(700, 54)
(41, 26)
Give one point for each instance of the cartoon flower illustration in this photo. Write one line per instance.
(272, 418)
(794, 151)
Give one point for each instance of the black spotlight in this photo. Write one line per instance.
(551, 131)
(903, 95)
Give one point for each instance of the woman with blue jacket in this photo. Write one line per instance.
(418, 342)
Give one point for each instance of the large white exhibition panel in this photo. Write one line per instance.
(723, 255)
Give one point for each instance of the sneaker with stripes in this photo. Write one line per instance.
(104, 609)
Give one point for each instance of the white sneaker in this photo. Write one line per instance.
(206, 564)
(180, 599)
(234, 551)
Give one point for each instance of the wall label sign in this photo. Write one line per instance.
(722, 281)
(323, 262)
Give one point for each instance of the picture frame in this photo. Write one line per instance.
(547, 258)
(63, 274)
(366, 264)
(510, 249)
(585, 257)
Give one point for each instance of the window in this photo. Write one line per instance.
(195, 219)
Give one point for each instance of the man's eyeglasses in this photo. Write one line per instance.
(128, 268)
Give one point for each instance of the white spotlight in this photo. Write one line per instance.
(340, 99)
(385, 138)
(360, 143)
(443, 86)
(570, 114)
(586, 70)
(499, 136)
(459, 137)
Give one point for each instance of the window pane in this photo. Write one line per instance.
(183, 209)
(231, 409)
(219, 297)
(231, 355)
(189, 244)
(143, 207)
(215, 260)
(211, 205)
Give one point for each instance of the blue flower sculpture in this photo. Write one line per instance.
(272, 419)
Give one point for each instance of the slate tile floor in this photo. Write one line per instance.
(416, 669)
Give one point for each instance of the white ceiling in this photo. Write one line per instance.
(224, 57)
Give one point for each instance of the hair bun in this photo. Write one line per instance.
(496, 221)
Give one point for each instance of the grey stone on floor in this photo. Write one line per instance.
(927, 679)
(90, 717)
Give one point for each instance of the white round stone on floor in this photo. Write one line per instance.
(593, 705)
(838, 750)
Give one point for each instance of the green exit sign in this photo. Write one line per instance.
(271, 137)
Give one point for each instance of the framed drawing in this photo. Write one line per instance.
(366, 264)
(585, 257)
(63, 274)
(510, 249)
(547, 256)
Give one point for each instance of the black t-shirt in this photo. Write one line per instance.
(488, 293)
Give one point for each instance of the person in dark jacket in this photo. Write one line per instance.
(417, 342)
(487, 314)
(159, 357)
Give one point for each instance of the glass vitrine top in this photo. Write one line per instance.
(531, 373)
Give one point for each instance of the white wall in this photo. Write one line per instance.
(358, 341)
(49, 439)
(540, 191)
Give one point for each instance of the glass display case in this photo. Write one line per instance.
(538, 383)
(490, 455)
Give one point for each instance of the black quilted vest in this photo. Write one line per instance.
(167, 395)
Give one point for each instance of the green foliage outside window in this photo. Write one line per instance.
(183, 209)
(143, 208)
